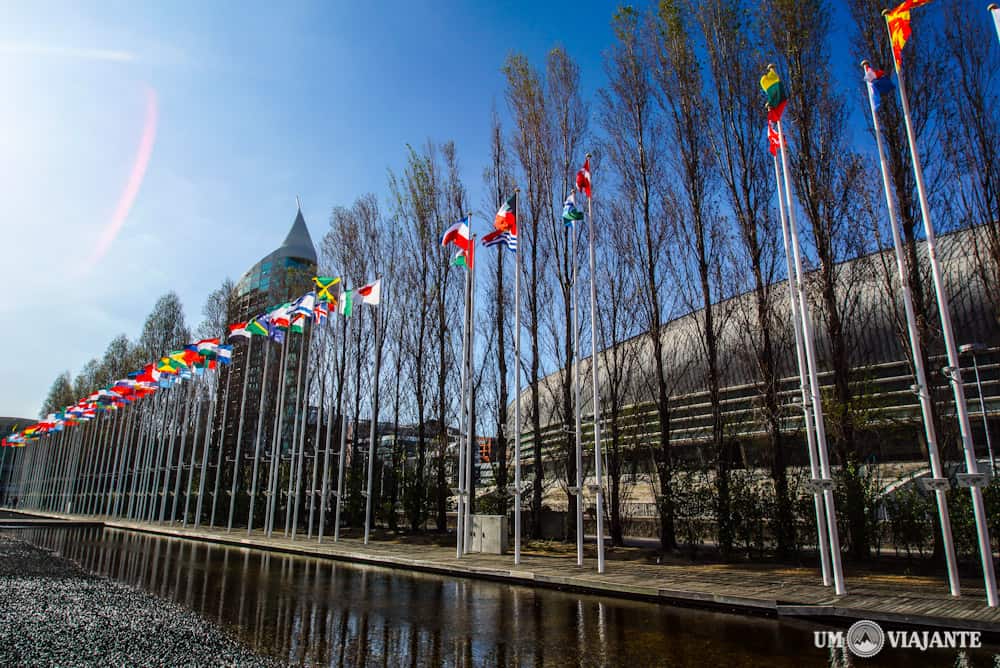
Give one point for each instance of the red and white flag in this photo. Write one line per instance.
(583, 178)
(371, 294)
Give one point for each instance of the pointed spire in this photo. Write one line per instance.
(298, 243)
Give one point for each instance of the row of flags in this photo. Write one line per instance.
(205, 354)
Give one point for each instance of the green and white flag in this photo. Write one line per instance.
(346, 303)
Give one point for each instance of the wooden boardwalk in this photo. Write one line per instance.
(755, 589)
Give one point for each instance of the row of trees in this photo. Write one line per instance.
(684, 199)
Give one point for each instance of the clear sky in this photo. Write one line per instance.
(155, 146)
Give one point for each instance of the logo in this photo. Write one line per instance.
(865, 639)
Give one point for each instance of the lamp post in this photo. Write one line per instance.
(974, 348)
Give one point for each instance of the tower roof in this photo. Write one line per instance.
(298, 243)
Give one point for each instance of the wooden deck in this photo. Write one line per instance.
(754, 589)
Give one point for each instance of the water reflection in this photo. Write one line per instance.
(317, 612)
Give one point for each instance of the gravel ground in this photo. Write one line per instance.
(53, 613)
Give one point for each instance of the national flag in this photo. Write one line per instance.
(238, 331)
(298, 323)
(208, 347)
(773, 139)
(506, 218)
(458, 234)
(346, 305)
(879, 83)
(777, 96)
(304, 304)
(276, 333)
(571, 214)
(225, 354)
(898, 20)
(463, 259)
(583, 178)
(498, 238)
(371, 294)
(325, 288)
(321, 312)
(258, 326)
(281, 316)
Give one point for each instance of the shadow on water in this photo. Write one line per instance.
(317, 612)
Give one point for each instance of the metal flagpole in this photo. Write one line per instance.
(169, 423)
(595, 371)
(209, 419)
(296, 426)
(373, 431)
(938, 482)
(134, 417)
(807, 416)
(470, 480)
(325, 491)
(191, 464)
(995, 11)
(982, 409)
(279, 424)
(239, 430)
(256, 454)
(954, 365)
(578, 420)
(810, 349)
(315, 466)
(220, 456)
(302, 447)
(463, 416)
(343, 436)
(517, 391)
(116, 463)
(192, 395)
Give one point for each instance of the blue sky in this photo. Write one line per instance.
(253, 104)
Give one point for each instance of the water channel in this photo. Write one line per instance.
(308, 611)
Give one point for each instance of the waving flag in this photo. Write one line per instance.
(506, 218)
(498, 238)
(583, 178)
(458, 234)
(773, 139)
(571, 214)
(325, 288)
(225, 354)
(257, 327)
(898, 20)
(304, 304)
(238, 331)
(321, 311)
(879, 83)
(371, 294)
(777, 96)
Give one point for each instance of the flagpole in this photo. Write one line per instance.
(815, 398)
(302, 441)
(279, 425)
(257, 439)
(315, 466)
(517, 392)
(470, 479)
(954, 365)
(463, 416)
(239, 431)
(219, 458)
(595, 369)
(994, 10)
(209, 420)
(374, 422)
(194, 449)
(939, 482)
(296, 427)
(324, 494)
(578, 420)
(807, 416)
(192, 397)
(344, 401)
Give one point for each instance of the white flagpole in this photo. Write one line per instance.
(460, 548)
(954, 365)
(257, 439)
(206, 445)
(517, 391)
(344, 402)
(373, 430)
(239, 432)
(595, 371)
(316, 442)
(994, 10)
(220, 456)
(810, 426)
(817, 405)
(470, 480)
(577, 402)
(939, 482)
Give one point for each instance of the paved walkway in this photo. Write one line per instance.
(760, 589)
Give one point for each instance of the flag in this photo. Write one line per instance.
(773, 139)
(571, 214)
(320, 312)
(325, 287)
(498, 238)
(225, 354)
(457, 234)
(256, 326)
(298, 323)
(238, 331)
(281, 316)
(462, 259)
(276, 333)
(583, 178)
(506, 218)
(898, 20)
(777, 96)
(304, 304)
(208, 347)
(879, 83)
(346, 306)
(371, 294)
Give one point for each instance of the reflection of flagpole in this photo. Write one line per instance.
(994, 10)
(517, 391)
(374, 422)
(817, 404)
(807, 416)
(922, 388)
(257, 440)
(239, 431)
(594, 369)
(954, 365)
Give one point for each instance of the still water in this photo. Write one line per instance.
(316, 612)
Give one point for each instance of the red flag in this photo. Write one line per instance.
(583, 178)
(773, 139)
(898, 20)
